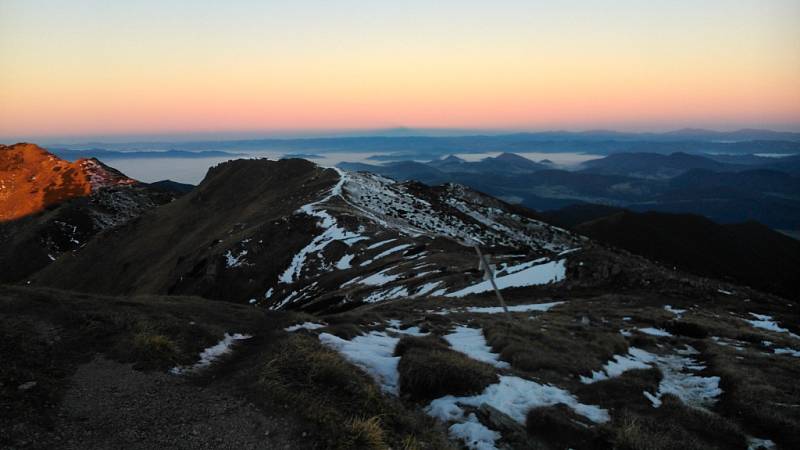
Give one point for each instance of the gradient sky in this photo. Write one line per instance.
(116, 67)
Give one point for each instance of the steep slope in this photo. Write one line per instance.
(51, 206)
(32, 242)
(181, 247)
(32, 179)
(747, 253)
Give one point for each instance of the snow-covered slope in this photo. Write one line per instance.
(401, 240)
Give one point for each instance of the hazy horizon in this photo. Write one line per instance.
(350, 133)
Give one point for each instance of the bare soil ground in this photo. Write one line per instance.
(110, 405)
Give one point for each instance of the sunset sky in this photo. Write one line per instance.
(100, 68)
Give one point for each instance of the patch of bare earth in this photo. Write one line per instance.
(109, 405)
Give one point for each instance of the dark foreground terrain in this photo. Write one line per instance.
(84, 371)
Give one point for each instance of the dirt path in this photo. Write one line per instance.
(109, 405)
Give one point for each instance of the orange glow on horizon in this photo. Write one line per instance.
(140, 70)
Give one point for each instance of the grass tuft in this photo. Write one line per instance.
(155, 348)
(365, 433)
(429, 373)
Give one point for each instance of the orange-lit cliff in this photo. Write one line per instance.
(31, 179)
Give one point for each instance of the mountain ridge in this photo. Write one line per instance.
(359, 212)
(50, 207)
(32, 179)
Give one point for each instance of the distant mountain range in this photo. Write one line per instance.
(653, 165)
(767, 191)
(99, 153)
(416, 144)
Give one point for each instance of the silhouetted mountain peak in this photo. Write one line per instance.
(453, 159)
(512, 157)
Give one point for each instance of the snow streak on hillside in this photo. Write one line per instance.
(331, 232)
(395, 222)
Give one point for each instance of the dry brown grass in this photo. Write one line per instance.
(428, 370)
(155, 348)
(622, 392)
(366, 433)
(761, 393)
(676, 426)
(549, 348)
(647, 433)
(344, 330)
(346, 406)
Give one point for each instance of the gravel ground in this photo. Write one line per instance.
(110, 405)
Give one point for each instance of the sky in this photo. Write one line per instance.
(105, 68)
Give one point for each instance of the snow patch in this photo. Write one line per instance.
(378, 244)
(677, 312)
(474, 434)
(212, 354)
(619, 364)
(766, 322)
(787, 351)
(344, 262)
(385, 254)
(471, 342)
(551, 272)
(427, 288)
(305, 326)
(754, 443)
(725, 342)
(655, 332)
(235, 259)
(390, 294)
(514, 396)
(677, 379)
(374, 353)
(376, 279)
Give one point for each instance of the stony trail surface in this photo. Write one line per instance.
(111, 405)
